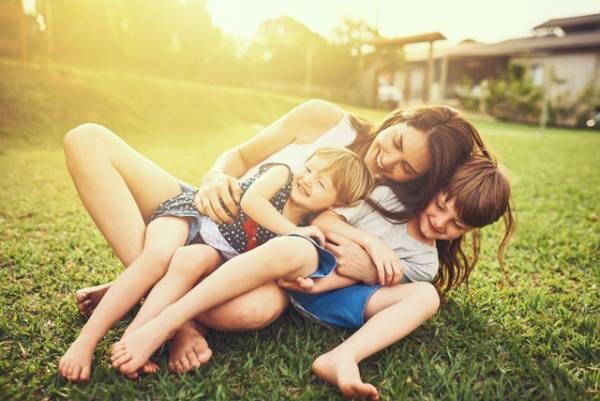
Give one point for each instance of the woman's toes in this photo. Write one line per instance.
(133, 376)
(193, 359)
(178, 367)
(186, 363)
(150, 367)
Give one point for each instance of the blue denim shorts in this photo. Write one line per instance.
(344, 307)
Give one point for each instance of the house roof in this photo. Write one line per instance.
(572, 22)
(405, 40)
(588, 40)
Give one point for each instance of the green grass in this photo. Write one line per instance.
(536, 340)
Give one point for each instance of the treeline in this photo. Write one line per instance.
(177, 39)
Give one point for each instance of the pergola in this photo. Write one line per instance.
(400, 42)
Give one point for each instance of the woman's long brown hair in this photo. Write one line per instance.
(450, 139)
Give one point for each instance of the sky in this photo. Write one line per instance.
(482, 20)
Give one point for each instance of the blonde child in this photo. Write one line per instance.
(477, 195)
(274, 202)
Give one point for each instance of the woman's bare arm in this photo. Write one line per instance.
(303, 124)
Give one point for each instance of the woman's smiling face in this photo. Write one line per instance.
(398, 153)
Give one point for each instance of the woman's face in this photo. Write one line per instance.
(398, 153)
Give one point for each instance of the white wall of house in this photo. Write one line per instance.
(574, 71)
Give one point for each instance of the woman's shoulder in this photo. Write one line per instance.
(314, 117)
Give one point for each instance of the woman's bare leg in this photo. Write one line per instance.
(392, 313)
(282, 257)
(119, 189)
(163, 236)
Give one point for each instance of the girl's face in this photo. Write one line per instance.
(398, 153)
(439, 221)
(313, 189)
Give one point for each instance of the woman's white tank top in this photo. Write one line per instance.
(294, 155)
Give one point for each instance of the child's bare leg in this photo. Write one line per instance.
(163, 236)
(187, 266)
(287, 257)
(392, 313)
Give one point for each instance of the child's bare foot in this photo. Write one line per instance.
(88, 298)
(188, 349)
(76, 363)
(133, 351)
(148, 368)
(340, 369)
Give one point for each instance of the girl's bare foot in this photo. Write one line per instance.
(341, 369)
(88, 298)
(188, 349)
(76, 363)
(133, 351)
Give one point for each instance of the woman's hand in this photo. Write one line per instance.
(218, 189)
(311, 232)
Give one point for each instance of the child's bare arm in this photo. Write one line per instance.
(385, 259)
(332, 281)
(256, 201)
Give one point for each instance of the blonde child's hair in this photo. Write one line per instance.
(351, 178)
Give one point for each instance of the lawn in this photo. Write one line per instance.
(537, 339)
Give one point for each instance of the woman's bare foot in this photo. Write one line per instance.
(88, 298)
(148, 368)
(341, 369)
(131, 353)
(188, 349)
(76, 363)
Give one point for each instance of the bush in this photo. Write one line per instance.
(514, 97)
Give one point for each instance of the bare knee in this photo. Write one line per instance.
(156, 258)
(82, 136)
(428, 297)
(193, 261)
(251, 311)
(286, 254)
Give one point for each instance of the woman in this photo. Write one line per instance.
(414, 151)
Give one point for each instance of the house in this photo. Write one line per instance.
(562, 54)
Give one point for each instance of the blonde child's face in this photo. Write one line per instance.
(440, 221)
(312, 188)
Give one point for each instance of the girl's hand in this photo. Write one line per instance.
(218, 189)
(301, 284)
(389, 270)
(311, 232)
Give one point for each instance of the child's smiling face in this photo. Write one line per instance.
(440, 221)
(312, 188)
